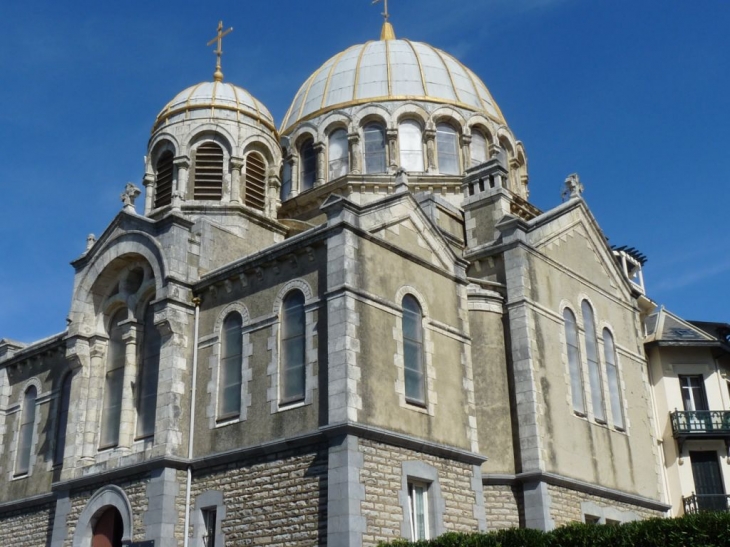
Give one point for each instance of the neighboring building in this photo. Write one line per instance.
(354, 329)
(689, 366)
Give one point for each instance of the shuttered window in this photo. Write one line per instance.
(255, 181)
(208, 172)
(163, 187)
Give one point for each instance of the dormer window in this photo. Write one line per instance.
(208, 172)
(163, 187)
(255, 181)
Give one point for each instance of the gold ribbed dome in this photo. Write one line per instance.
(386, 70)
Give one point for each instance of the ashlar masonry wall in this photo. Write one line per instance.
(31, 526)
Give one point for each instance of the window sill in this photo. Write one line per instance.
(229, 420)
(20, 476)
(292, 405)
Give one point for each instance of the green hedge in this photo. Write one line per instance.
(701, 530)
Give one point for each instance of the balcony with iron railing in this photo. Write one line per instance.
(701, 503)
(700, 424)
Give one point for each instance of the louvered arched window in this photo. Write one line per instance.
(230, 376)
(410, 143)
(415, 377)
(163, 186)
(149, 367)
(208, 174)
(337, 152)
(25, 434)
(308, 165)
(576, 376)
(292, 347)
(447, 145)
(594, 367)
(65, 398)
(479, 148)
(113, 383)
(614, 389)
(255, 181)
(374, 136)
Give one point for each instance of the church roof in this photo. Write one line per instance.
(390, 69)
(216, 95)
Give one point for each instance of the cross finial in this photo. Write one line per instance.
(218, 74)
(387, 32)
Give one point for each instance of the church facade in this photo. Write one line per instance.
(352, 328)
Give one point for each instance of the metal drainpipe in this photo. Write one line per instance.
(193, 389)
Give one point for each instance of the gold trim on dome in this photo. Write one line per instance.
(448, 71)
(329, 76)
(201, 106)
(420, 66)
(357, 69)
(286, 130)
(387, 68)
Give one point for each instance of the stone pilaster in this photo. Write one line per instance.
(182, 165)
(392, 138)
(131, 332)
(319, 148)
(150, 189)
(429, 137)
(355, 155)
(345, 493)
(238, 191)
(465, 142)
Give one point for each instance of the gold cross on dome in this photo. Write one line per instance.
(385, 13)
(218, 74)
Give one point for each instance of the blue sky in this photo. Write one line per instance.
(631, 94)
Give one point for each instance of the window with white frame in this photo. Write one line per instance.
(594, 367)
(113, 383)
(292, 347)
(410, 143)
(337, 152)
(25, 431)
(230, 375)
(447, 146)
(614, 384)
(147, 375)
(418, 505)
(414, 370)
(574, 368)
(374, 137)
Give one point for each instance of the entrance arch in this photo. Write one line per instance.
(106, 521)
(108, 530)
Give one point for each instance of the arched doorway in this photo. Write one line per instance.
(108, 529)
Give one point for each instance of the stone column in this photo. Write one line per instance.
(294, 162)
(273, 192)
(392, 137)
(514, 165)
(355, 157)
(127, 422)
(466, 151)
(319, 149)
(429, 137)
(238, 193)
(150, 189)
(182, 164)
(91, 389)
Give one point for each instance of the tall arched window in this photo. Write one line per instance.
(25, 434)
(293, 348)
(285, 181)
(208, 175)
(374, 137)
(479, 148)
(149, 368)
(410, 143)
(337, 152)
(163, 184)
(447, 145)
(255, 181)
(230, 376)
(594, 370)
(576, 376)
(113, 383)
(415, 377)
(614, 389)
(65, 398)
(308, 165)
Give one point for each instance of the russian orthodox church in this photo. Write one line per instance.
(353, 328)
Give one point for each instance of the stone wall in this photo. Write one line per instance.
(565, 506)
(503, 506)
(277, 500)
(32, 526)
(382, 477)
(136, 490)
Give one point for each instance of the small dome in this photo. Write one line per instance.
(216, 95)
(387, 70)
